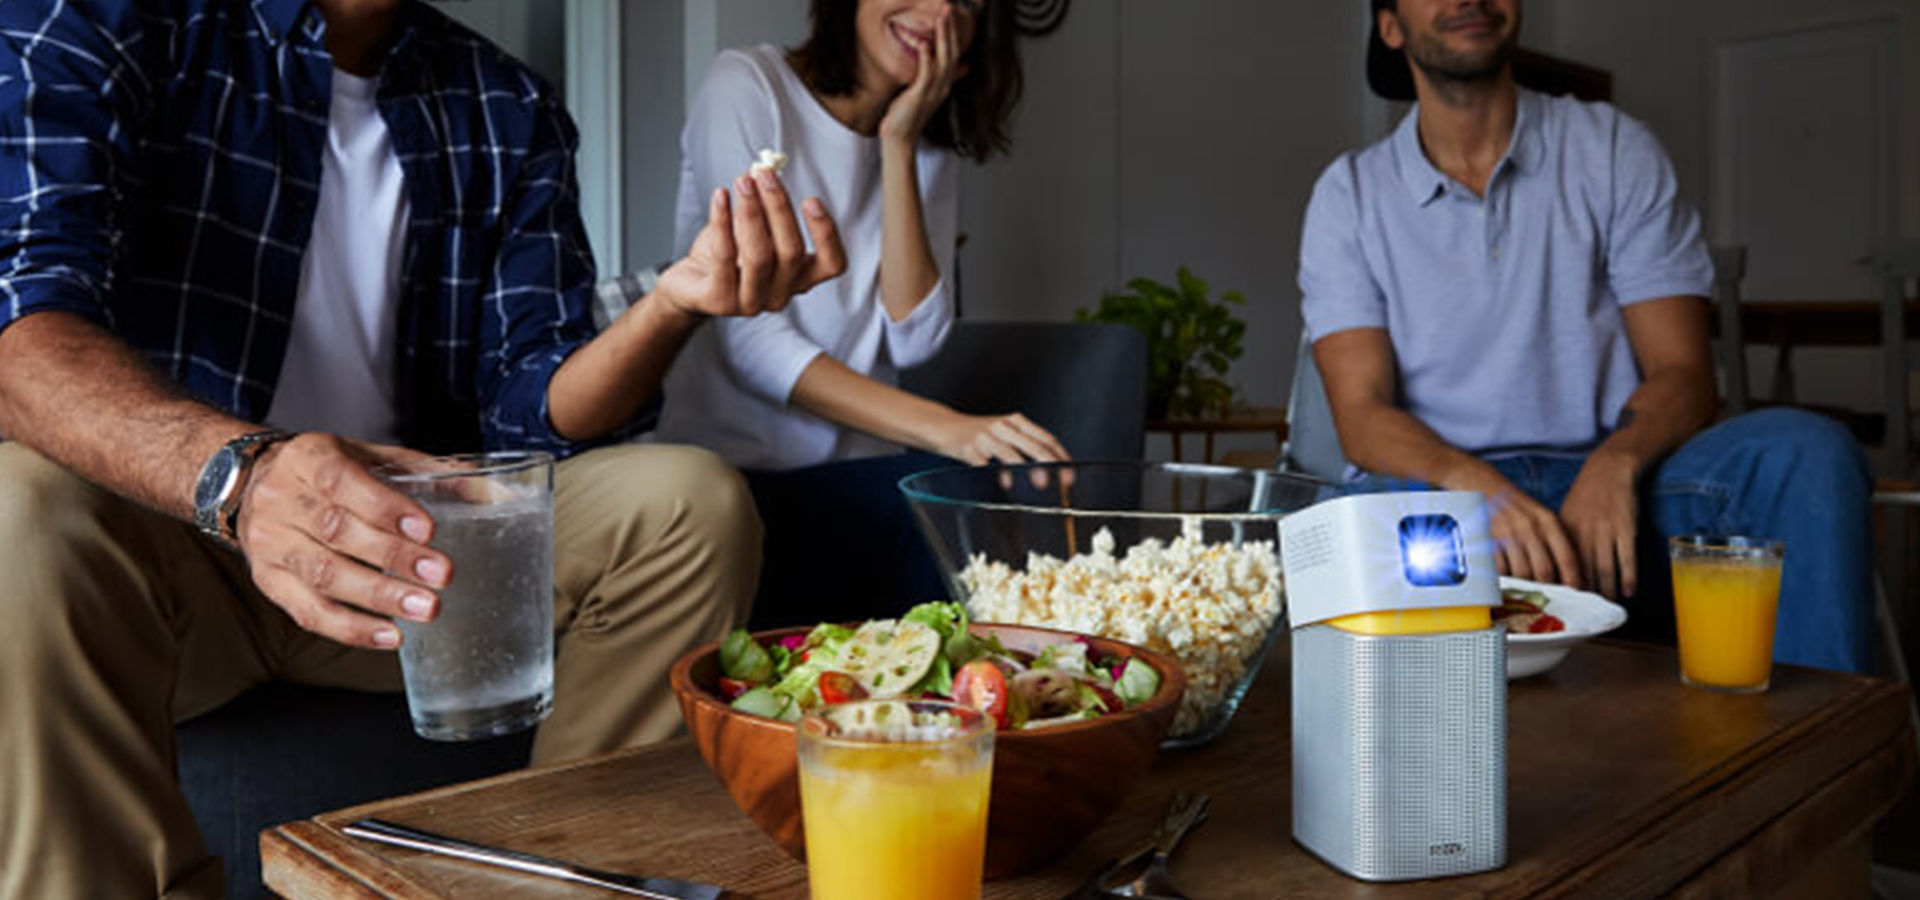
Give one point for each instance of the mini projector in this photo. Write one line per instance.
(1399, 685)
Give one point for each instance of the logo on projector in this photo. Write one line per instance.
(1449, 848)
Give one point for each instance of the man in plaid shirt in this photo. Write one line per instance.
(355, 221)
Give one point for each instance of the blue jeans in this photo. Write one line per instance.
(1782, 474)
(841, 544)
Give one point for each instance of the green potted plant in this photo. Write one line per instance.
(1191, 341)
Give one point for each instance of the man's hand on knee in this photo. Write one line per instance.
(1602, 513)
(336, 548)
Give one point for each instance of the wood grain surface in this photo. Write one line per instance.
(1622, 783)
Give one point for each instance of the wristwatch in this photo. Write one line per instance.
(216, 496)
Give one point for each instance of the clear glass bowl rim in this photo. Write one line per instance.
(1195, 470)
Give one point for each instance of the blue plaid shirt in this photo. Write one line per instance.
(159, 165)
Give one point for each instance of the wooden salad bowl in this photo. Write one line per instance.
(1051, 786)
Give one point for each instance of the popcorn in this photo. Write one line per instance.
(770, 161)
(1209, 606)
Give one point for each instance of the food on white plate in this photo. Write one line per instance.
(1525, 612)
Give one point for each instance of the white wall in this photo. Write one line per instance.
(531, 31)
(1661, 55)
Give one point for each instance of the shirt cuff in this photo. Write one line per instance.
(916, 338)
(769, 363)
(520, 418)
(1674, 284)
(1325, 323)
(50, 293)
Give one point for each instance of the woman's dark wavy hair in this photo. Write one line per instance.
(975, 121)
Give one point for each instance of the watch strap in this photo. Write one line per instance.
(218, 519)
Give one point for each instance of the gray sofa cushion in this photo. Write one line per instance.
(283, 752)
(1086, 383)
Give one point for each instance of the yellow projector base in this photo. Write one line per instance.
(1416, 621)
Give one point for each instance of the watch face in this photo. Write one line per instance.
(215, 483)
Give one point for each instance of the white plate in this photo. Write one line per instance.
(1586, 615)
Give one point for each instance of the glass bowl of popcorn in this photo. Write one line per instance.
(1179, 558)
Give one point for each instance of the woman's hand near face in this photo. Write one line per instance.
(940, 66)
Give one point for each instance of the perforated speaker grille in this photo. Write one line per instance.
(1400, 751)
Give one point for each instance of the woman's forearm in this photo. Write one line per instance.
(830, 390)
(908, 271)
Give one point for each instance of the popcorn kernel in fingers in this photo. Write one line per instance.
(770, 160)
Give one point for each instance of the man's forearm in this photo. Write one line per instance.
(76, 393)
(1390, 441)
(1666, 410)
(604, 384)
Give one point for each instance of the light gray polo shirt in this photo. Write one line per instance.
(1504, 313)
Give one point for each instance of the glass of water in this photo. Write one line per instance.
(484, 666)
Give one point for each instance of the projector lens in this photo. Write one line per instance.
(1430, 552)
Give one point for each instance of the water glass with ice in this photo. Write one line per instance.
(484, 666)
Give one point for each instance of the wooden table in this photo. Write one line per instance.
(1622, 783)
(1252, 419)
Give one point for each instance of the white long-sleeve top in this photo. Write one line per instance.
(730, 387)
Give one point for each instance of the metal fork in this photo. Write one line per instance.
(1183, 813)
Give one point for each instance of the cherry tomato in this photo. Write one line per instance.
(732, 687)
(839, 687)
(1546, 624)
(981, 685)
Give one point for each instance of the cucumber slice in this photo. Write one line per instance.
(1138, 683)
(888, 657)
(761, 701)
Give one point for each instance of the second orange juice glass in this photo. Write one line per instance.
(1726, 591)
(893, 794)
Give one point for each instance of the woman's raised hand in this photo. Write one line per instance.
(940, 67)
(751, 258)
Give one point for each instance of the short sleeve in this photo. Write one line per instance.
(1654, 244)
(1338, 290)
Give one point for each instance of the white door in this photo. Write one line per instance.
(1803, 132)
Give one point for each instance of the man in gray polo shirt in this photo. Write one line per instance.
(1506, 296)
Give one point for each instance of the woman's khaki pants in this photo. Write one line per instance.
(117, 622)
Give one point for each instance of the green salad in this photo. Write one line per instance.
(929, 653)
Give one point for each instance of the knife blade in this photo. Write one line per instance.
(656, 888)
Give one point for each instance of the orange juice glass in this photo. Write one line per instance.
(893, 796)
(1726, 591)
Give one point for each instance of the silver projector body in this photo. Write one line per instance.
(1399, 740)
(1400, 751)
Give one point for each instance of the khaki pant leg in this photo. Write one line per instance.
(656, 551)
(117, 618)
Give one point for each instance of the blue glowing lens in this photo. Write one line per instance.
(1430, 554)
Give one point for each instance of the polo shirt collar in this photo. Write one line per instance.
(1425, 182)
(1417, 172)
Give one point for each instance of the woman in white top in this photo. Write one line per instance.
(874, 112)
